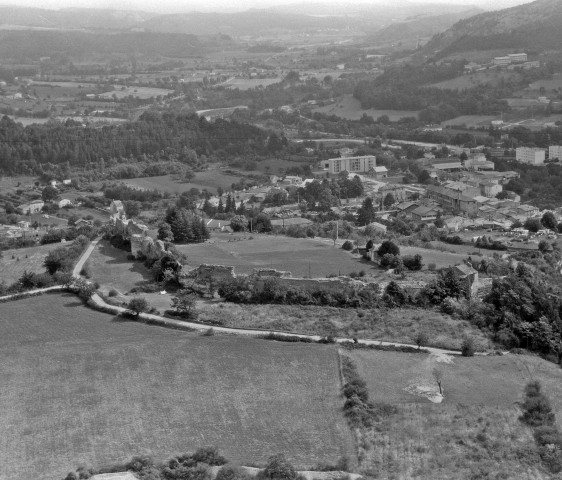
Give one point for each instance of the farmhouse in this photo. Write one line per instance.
(64, 202)
(425, 214)
(31, 208)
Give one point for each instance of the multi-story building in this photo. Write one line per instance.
(351, 164)
(454, 200)
(517, 57)
(555, 151)
(531, 156)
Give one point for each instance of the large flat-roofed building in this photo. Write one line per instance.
(352, 164)
(531, 156)
(453, 199)
(555, 151)
(518, 57)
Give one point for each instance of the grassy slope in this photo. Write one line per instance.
(14, 262)
(80, 387)
(476, 428)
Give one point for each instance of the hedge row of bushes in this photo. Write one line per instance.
(384, 348)
(538, 414)
(242, 290)
(358, 409)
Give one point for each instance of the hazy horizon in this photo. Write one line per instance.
(177, 6)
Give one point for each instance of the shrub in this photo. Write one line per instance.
(347, 245)
(431, 267)
(137, 305)
(279, 468)
(388, 247)
(113, 293)
(467, 347)
(209, 455)
(231, 472)
(413, 262)
(209, 332)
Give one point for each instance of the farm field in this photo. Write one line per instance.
(548, 84)
(82, 387)
(209, 179)
(14, 262)
(350, 108)
(474, 433)
(398, 325)
(301, 257)
(470, 121)
(139, 92)
(247, 83)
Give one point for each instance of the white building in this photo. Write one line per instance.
(352, 164)
(518, 57)
(555, 151)
(31, 208)
(532, 156)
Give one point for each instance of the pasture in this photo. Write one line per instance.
(470, 121)
(350, 108)
(473, 433)
(14, 262)
(209, 179)
(83, 387)
(440, 259)
(554, 83)
(302, 257)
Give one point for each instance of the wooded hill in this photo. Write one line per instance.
(535, 26)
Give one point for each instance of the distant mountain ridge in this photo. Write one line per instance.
(533, 26)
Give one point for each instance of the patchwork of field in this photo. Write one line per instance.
(209, 179)
(474, 433)
(14, 262)
(82, 387)
(350, 108)
(301, 257)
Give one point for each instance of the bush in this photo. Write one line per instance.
(230, 472)
(347, 245)
(467, 347)
(138, 305)
(209, 455)
(413, 262)
(431, 267)
(113, 293)
(279, 468)
(388, 247)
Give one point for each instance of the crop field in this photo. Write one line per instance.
(14, 262)
(350, 108)
(209, 179)
(473, 433)
(83, 387)
(139, 92)
(301, 257)
(398, 325)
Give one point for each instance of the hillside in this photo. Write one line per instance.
(533, 26)
(70, 18)
(424, 27)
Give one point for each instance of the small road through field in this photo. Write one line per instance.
(80, 263)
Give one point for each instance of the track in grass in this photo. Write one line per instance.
(80, 387)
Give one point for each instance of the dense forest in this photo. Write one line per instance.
(186, 139)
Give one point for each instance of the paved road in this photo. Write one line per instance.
(80, 263)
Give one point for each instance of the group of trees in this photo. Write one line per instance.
(182, 226)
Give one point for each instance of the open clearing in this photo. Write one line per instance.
(441, 259)
(474, 433)
(14, 262)
(209, 179)
(350, 108)
(301, 257)
(81, 387)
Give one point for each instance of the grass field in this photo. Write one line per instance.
(350, 108)
(470, 121)
(301, 257)
(210, 180)
(441, 259)
(14, 262)
(109, 267)
(247, 83)
(475, 432)
(81, 387)
(398, 325)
